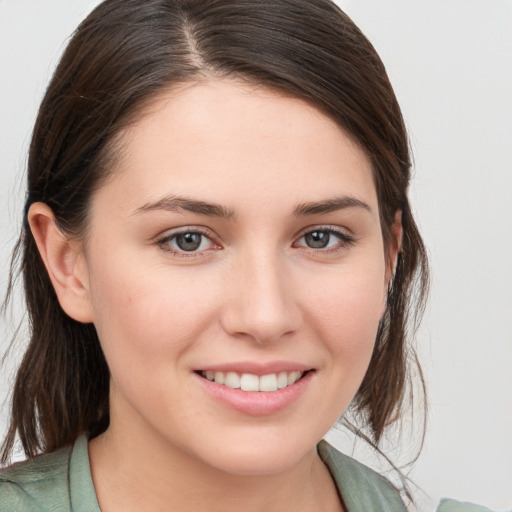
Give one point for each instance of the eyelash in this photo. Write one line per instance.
(164, 242)
(345, 241)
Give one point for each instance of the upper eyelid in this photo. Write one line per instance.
(325, 227)
(344, 239)
(210, 234)
(169, 233)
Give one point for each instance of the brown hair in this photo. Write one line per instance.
(122, 55)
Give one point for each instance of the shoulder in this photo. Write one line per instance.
(37, 484)
(365, 490)
(361, 488)
(447, 505)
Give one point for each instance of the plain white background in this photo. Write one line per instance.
(450, 62)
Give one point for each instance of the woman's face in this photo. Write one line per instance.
(238, 240)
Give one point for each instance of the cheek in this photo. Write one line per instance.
(142, 317)
(348, 309)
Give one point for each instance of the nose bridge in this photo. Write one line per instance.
(264, 305)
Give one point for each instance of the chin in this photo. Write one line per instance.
(259, 457)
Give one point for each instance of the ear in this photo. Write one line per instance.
(64, 261)
(395, 246)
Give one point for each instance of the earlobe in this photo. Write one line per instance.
(64, 262)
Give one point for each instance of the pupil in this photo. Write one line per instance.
(188, 241)
(317, 239)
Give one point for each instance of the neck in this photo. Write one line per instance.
(130, 475)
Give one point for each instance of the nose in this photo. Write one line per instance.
(261, 302)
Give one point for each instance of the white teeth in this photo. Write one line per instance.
(268, 382)
(282, 380)
(294, 377)
(232, 380)
(251, 382)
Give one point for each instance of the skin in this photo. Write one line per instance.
(253, 291)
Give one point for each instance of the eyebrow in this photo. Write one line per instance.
(330, 205)
(177, 203)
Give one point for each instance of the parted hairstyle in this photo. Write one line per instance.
(120, 57)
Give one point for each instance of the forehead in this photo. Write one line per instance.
(232, 140)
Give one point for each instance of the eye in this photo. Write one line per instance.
(324, 238)
(190, 241)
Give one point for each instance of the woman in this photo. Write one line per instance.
(218, 243)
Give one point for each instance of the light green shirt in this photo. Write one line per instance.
(62, 482)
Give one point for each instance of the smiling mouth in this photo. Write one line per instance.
(250, 382)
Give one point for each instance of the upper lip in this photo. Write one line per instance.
(255, 368)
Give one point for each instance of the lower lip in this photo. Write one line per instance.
(257, 403)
